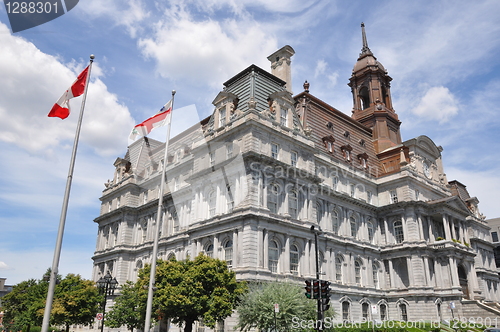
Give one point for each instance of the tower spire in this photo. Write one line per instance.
(365, 50)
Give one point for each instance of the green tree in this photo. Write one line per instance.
(190, 290)
(129, 308)
(256, 309)
(76, 301)
(21, 306)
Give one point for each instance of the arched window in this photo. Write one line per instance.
(228, 253)
(273, 256)
(357, 272)
(403, 311)
(354, 227)
(364, 97)
(335, 222)
(364, 310)
(144, 230)
(375, 268)
(211, 203)
(371, 230)
(209, 250)
(346, 311)
(272, 197)
(319, 212)
(338, 269)
(383, 312)
(293, 204)
(174, 219)
(398, 231)
(294, 259)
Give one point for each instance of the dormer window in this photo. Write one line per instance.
(328, 141)
(346, 151)
(363, 160)
(222, 117)
(284, 117)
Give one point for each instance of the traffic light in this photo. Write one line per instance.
(325, 304)
(325, 289)
(312, 289)
(308, 289)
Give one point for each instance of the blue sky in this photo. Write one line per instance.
(442, 56)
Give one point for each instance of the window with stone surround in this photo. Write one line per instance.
(274, 255)
(275, 148)
(398, 231)
(294, 259)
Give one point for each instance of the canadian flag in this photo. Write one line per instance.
(159, 119)
(61, 108)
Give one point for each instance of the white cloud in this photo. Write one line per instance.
(3, 266)
(206, 52)
(321, 66)
(130, 13)
(33, 81)
(482, 184)
(438, 103)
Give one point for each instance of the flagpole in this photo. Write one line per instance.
(152, 275)
(64, 210)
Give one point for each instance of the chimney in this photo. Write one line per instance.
(280, 65)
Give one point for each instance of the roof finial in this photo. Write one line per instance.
(365, 50)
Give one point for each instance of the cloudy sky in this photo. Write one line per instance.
(442, 56)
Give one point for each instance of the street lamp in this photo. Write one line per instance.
(107, 286)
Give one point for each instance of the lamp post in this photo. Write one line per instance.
(107, 286)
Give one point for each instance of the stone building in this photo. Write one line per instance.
(248, 182)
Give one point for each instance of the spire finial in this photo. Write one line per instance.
(365, 50)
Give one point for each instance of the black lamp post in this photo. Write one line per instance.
(107, 286)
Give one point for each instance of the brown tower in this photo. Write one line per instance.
(370, 87)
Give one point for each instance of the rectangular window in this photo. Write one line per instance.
(494, 236)
(394, 196)
(284, 117)
(369, 197)
(293, 158)
(229, 151)
(352, 190)
(222, 117)
(417, 195)
(274, 150)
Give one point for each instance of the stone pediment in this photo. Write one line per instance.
(452, 202)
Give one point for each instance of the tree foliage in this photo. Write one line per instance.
(22, 304)
(190, 290)
(76, 301)
(129, 308)
(256, 309)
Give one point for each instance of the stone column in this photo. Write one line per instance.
(265, 245)
(216, 246)
(391, 274)
(236, 249)
(453, 272)
(446, 225)
(306, 262)
(409, 266)
(286, 260)
(420, 227)
(431, 230)
(425, 260)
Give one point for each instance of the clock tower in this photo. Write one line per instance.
(370, 87)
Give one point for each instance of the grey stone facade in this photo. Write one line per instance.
(248, 182)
